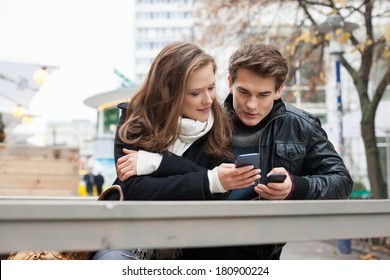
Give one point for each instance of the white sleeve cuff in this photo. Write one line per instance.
(147, 162)
(214, 183)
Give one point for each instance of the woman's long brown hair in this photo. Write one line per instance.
(153, 113)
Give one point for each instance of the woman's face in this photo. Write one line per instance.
(199, 94)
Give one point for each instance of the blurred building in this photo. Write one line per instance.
(102, 155)
(77, 133)
(156, 23)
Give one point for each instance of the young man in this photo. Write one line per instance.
(289, 140)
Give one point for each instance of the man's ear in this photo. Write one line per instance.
(230, 84)
(278, 93)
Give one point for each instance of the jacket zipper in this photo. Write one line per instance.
(261, 134)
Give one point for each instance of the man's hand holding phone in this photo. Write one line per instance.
(275, 178)
(277, 185)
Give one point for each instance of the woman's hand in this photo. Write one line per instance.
(237, 178)
(126, 166)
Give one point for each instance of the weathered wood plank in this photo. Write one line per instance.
(26, 152)
(36, 192)
(34, 166)
(26, 170)
(25, 181)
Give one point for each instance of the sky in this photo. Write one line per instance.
(85, 39)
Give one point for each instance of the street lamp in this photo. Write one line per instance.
(334, 24)
(41, 75)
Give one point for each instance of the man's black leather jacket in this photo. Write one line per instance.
(293, 139)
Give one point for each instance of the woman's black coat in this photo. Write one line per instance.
(162, 185)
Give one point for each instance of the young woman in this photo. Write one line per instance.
(175, 114)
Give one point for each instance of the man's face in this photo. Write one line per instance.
(253, 96)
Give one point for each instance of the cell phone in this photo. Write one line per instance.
(248, 159)
(275, 178)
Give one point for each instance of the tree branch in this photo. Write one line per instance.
(381, 88)
(302, 4)
(349, 68)
(368, 52)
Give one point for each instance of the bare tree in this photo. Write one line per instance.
(223, 22)
(2, 128)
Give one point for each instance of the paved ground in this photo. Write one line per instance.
(327, 250)
(324, 250)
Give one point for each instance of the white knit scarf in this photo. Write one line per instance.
(190, 131)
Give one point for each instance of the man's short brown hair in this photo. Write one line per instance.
(264, 60)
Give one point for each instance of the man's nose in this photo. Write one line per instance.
(251, 103)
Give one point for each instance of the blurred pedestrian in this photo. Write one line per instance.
(89, 182)
(99, 181)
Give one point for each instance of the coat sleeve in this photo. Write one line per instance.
(172, 164)
(190, 186)
(326, 174)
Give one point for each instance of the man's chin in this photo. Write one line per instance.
(250, 122)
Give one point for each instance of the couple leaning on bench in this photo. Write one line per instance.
(176, 142)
